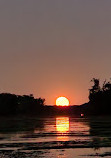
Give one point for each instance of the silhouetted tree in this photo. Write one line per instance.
(96, 87)
(100, 97)
(8, 103)
(16, 104)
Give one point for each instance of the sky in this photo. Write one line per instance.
(53, 48)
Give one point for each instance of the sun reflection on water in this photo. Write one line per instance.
(62, 128)
(62, 124)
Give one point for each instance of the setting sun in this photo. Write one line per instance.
(62, 101)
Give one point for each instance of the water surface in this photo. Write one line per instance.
(55, 137)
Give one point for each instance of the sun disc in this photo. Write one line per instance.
(62, 101)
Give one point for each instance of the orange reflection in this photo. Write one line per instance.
(62, 124)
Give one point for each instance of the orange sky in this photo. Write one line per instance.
(54, 48)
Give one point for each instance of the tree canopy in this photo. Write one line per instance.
(100, 97)
(17, 104)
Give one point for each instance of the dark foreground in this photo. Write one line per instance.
(53, 137)
(61, 153)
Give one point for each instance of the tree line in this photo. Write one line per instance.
(99, 103)
(100, 97)
(11, 104)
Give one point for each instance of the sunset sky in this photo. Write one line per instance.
(53, 48)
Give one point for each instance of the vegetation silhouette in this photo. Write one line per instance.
(99, 103)
(11, 104)
(99, 98)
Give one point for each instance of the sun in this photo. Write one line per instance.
(62, 101)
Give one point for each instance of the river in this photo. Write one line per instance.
(55, 137)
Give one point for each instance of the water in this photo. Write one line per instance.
(52, 137)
